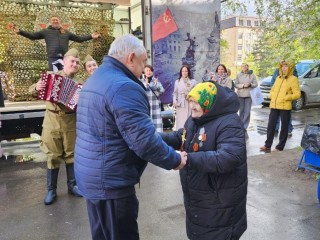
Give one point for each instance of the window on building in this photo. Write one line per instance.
(240, 35)
(239, 57)
(248, 36)
(248, 22)
(256, 23)
(255, 37)
(240, 22)
(239, 47)
(248, 48)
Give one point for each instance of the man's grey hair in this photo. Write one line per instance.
(124, 45)
(54, 15)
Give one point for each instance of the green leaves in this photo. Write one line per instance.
(291, 30)
(229, 7)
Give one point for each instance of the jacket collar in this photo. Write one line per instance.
(50, 27)
(120, 66)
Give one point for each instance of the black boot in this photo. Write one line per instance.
(52, 178)
(72, 186)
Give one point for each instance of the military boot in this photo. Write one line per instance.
(52, 179)
(71, 181)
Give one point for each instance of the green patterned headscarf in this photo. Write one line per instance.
(205, 94)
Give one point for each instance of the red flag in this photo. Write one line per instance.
(43, 25)
(10, 26)
(65, 26)
(164, 25)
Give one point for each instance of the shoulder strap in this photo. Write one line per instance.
(154, 93)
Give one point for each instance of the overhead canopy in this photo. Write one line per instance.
(65, 2)
(118, 2)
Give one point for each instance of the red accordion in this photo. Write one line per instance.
(60, 89)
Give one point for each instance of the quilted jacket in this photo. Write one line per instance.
(285, 90)
(115, 134)
(214, 181)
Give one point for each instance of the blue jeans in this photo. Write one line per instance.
(290, 126)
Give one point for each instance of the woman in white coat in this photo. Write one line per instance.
(182, 87)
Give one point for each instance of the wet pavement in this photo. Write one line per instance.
(282, 203)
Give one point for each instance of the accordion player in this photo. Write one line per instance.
(60, 90)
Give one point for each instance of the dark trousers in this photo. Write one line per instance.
(1, 96)
(284, 117)
(114, 219)
(290, 126)
(51, 60)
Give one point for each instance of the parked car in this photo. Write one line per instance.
(309, 82)
(168, 117)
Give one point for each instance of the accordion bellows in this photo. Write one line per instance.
(60, 89)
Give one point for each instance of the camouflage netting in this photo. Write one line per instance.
(23, 60)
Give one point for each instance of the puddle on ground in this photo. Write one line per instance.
(21, 158)
(18, 158)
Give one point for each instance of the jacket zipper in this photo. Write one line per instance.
(187, 181)
(275, 103)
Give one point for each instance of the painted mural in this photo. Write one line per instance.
(184, 32)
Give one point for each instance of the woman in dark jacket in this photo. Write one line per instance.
(214, 181)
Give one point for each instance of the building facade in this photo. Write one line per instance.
(241, 34)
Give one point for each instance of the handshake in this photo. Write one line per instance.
(183, 160)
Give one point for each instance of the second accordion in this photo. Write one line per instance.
(60, 89)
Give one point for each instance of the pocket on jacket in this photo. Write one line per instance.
(211, 217)
(212, 183)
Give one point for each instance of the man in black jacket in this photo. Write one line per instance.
(56, 38)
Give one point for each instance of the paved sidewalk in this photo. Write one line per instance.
(282, 203)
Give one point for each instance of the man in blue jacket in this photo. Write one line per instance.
(115, 139)
(56, 38)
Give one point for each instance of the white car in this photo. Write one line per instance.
(309, 82)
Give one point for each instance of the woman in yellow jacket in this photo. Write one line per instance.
(285, 90)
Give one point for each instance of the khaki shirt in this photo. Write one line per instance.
(58, 121)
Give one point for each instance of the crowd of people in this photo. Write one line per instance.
(117, 129)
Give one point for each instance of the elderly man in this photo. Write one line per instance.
(56, 38)
(115, 140)
(59, 133)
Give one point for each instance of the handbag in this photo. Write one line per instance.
(256, 96)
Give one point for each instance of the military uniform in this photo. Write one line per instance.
(58, 141)
(58, 132)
